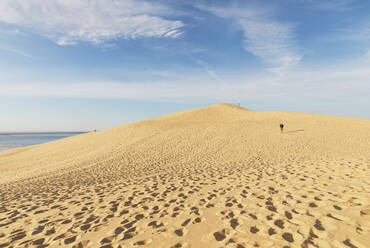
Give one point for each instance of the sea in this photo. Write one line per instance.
(15, 140)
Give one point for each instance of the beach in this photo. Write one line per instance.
(219, 176)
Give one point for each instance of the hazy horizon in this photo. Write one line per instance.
(40, 131)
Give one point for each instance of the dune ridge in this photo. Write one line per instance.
(219, 176)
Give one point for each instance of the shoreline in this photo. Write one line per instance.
(11, 145)
(35, 133)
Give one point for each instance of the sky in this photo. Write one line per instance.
(80, 65)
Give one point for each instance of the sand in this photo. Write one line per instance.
(220, 176)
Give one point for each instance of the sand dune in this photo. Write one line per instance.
(221, 176)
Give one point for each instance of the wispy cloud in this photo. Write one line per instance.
(69, 21)
(359, 33)
(16, 51)
(352, 33)
(272, 41)
(331, 5)
(222, 84)
(327, 5)
(12, 31)
(265, 37)
(335, 84)
(109, 90)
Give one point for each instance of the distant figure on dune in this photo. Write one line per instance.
(281, 128)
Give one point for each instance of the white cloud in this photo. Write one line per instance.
(347, 82)
(70, 21)
(271, 41)
(265, 37)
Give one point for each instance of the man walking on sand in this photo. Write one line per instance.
(281, 128)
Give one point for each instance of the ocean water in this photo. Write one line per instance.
(26, 139)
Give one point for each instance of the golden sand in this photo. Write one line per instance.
(220, 176)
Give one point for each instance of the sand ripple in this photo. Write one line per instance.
(214, 177)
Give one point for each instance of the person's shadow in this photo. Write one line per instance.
(295, 131)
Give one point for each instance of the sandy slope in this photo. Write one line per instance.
(220, 176)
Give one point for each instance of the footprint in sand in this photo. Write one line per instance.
(220, 235)
(254, 229)
(181, 232)
(279, 223)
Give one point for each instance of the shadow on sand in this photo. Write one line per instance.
(295, 131)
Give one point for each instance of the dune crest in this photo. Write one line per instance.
(219, 176)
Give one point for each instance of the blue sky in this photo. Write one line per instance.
(81, 65)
